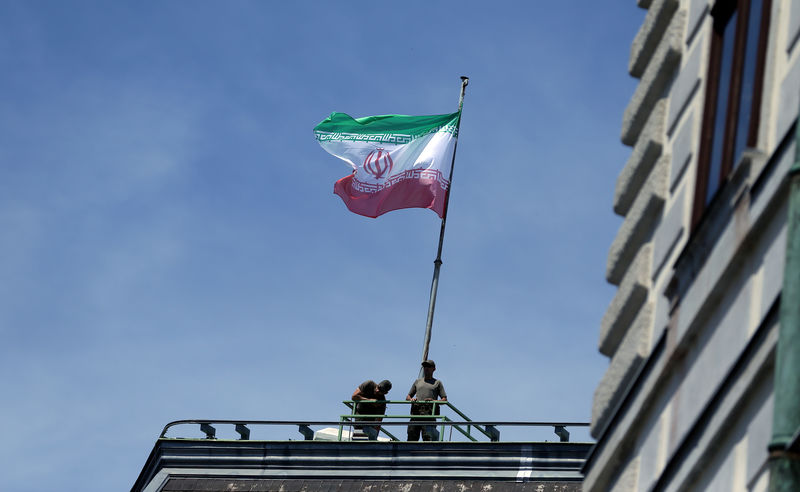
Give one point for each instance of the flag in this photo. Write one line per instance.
(398, 161)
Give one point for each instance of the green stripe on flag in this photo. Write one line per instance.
(393, 128)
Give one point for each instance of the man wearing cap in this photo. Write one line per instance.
(426, 388)
(373, 396)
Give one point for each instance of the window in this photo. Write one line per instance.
(733, 93)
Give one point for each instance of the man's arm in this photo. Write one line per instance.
(358, 395)
(413, 391)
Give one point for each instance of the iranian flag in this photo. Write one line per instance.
(398, 161)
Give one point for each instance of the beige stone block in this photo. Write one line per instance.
(630, 297)
(655, 25)
(654, 82)
(637, 228)
(627, 360)
(645, 154)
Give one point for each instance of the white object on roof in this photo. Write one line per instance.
(332, 434)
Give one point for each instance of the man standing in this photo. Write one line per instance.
(426, 388)
(373, 396)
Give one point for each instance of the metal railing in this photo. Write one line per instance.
(354, 426)
(243, 427)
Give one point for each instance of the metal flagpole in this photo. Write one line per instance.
(437, 263)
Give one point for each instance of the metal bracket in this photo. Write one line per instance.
(308, 434)
(562, 433)
(494, 434)
(243, 431)
(208, 430)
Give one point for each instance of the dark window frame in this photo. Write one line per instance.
(722, 14)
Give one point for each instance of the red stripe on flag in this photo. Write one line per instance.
(410, 193)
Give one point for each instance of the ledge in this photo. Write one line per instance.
(645, 153)
(655, 80)
(655, 24)
(242, 462)
(214, 484)
(639, 223)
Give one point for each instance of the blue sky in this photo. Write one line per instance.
(171, 247)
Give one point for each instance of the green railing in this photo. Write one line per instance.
(368, 421)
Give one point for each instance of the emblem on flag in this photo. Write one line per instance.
(398, 161)
(378, 163)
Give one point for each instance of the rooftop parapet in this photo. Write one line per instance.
(216, 455)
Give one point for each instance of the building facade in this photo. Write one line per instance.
(687, 401)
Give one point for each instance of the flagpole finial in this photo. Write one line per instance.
(464, 82)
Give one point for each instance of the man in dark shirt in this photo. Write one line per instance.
(426, 388)
(373, 396)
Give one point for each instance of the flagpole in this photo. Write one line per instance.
(437, 263)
